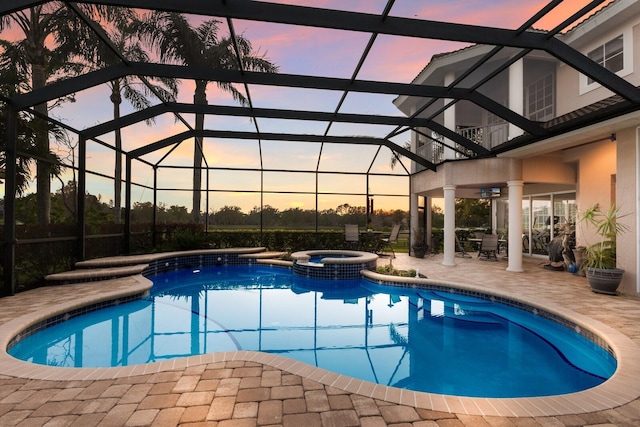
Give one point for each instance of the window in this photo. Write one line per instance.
(610, 55)
(538, 228)
(540, 99)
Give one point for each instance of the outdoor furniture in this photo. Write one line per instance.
(460, 252)
(387, 242)
(351, 236)
(370, 241)
(489, 247)
(503, 244)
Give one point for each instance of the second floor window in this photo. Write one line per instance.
(539, 101)
(610, 55)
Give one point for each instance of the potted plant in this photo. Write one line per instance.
(599, 262)
(419, 243)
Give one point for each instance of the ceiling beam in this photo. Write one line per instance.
(391, 25)
(11, 6)
(341, 20)
(68, 86)
(270, 113)
(177, 138)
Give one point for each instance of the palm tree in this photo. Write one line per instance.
(177, 41)
(131, 88)
(14, 81)
(395, 157)
(51, 20)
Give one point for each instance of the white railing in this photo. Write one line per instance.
(485, 136)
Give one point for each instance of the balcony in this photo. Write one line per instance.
(487, 136)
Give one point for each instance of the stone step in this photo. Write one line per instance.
(263, 255)
(281, 262)
(94, 274)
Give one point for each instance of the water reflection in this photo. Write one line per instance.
(417, 339)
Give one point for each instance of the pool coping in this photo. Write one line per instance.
(622, 388)
(354, 257)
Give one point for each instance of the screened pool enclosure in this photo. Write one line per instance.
(317, 131)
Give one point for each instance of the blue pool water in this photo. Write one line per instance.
(424, 340)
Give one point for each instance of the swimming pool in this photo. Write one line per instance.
(386, 334)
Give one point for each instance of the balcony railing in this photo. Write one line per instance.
(485, 136)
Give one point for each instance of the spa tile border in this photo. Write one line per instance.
(334, 266)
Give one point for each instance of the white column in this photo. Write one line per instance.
(414, 141)
(449, 225)
(414, 217)
(449, 117)
(515, 226)
(494, 216)
(428, 204)
(516, 94)
(637, 273)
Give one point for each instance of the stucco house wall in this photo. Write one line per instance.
(599, 182)
(571, 93)
(627, 199)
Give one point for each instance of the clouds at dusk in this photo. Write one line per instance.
(304, 51)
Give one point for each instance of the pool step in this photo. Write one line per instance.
(106, 268)
(263, 255)
(119, 261)
(273, 261)
(115, 261)
(94, 274)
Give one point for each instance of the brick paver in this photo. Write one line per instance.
(236, 393)
(270, 412)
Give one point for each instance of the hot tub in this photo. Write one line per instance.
(333, 264)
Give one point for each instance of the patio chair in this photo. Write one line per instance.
(460, 252)
(489, 247)
(351, 236)
(392, 239)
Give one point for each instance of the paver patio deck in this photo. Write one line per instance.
(235, 390)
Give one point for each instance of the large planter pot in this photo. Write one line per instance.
(604, 280)
(419, 251)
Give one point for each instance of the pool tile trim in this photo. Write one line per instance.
(620, 389)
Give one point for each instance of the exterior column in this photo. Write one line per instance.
(449, 117)
(516, 94)
(414, 219)
(449, 225)
(414, 143)
(515, 226)
(428, 217)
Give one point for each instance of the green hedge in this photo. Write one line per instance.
(277, 240)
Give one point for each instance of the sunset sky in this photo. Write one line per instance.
(306, 51)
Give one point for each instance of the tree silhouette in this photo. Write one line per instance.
(49, 24)
(123, 35)
(177, 41)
